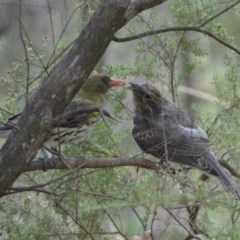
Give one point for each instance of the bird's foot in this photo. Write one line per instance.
(177, 170)
(160, 163)
(170, 169)
(164, 165)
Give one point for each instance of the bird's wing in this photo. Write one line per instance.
(78, 113)
(179, 140)
(76, 117)
(187, 141)
(169, 109)
(175, 143)
(188, 146)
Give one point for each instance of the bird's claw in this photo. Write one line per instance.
(166, 166)
(160, 163)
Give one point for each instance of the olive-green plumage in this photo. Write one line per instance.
(167, 132)
(95, 87)
(80, 115)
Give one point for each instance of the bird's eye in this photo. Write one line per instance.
(147, 96)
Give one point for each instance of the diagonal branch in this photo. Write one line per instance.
(191, 234)
(219, 13)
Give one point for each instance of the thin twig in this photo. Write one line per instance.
(25, 51)
(182, 225)
(219, 14)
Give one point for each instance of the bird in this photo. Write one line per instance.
(78, 118)
(168, 133)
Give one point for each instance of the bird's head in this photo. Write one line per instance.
(96, 86)
(145, 96)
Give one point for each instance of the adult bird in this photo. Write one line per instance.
(170, 134)
(80, 115)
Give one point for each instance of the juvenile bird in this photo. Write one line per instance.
(80, 115)
(168, 133)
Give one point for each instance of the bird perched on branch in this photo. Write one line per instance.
(168, 133)
(79, 116)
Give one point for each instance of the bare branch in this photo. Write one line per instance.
(193, 212)
(178, 29)
(219, 14)
(192, 235)
(78, 162)
(95, 163)
(229, 168)
(25, 51)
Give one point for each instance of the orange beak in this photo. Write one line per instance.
(116, 83)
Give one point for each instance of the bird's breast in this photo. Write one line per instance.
(148, 121)
(62, 135)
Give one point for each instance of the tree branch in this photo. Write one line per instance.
(191, 234)
(193, 212)
(94, 163)
(219, 14)
(178, 29)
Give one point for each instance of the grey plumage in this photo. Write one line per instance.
(167, 132)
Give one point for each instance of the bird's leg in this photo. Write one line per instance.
(165, 166)
(184, 170)
(170, 169)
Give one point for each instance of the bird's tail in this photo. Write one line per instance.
(224, 176)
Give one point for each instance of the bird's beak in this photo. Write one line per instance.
(135, 87)
(116, 83)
